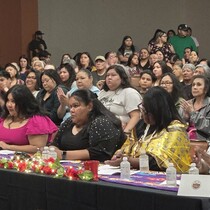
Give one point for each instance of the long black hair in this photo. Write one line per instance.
(91, 63)
(72, 75)
(26, 104)
(177, 88)
(124, 77)
(86, 96)
(159, 103)
(122, 47)
(51, 74)
(37, 76)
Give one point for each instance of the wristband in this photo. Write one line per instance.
(63, 155)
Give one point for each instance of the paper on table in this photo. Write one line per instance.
(164, 182)
(110, 170)
(6, 152)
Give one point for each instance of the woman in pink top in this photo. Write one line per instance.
(24, 126)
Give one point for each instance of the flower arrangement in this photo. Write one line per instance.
(35, 164)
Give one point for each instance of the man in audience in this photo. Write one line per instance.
(37, 45)
(99, 74)
(182, 40)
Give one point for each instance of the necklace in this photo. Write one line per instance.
(139, 143)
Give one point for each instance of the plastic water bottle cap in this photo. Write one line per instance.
(142, 151)
(170, 164)
(52, 149)
(125, 158)
(192, 164)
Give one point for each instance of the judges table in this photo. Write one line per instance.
(20, 191)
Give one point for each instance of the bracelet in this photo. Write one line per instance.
(63, 155)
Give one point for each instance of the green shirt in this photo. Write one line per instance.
(180, 43)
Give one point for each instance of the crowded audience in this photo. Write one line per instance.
(98, 104)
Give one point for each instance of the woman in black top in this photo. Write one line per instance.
(92, 132)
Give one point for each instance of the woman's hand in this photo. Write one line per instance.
(197, 157)
(187, 106)
(59, 153)
(62, 97)
(205, 157)
(4, 145)
(116, 159)
(100, 84)
(202, 160)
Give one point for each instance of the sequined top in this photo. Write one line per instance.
(101, 138)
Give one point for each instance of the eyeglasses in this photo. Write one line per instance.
(141, 108)
(166, 83)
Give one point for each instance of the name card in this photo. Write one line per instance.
(194, 185)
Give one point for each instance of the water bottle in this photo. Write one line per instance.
(143, 161)
(171, 175)
(125, 169)
(52, 153)
(193, 169)
(45, 153)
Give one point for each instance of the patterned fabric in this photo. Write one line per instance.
(165, 49)
(171, 145)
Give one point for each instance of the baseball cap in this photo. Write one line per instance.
(183, 27)
(39, 33)
(100, 57)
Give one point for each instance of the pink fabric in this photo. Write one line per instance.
(191, 130)
(36, 125)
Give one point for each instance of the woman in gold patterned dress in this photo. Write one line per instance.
(165, 138)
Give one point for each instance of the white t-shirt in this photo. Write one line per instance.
(121, 102)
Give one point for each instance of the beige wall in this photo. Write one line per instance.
(98, 26)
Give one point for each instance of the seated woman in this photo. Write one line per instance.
(84, 80)
(13, 70)
(5, 84)
(134, 70)
(33, 82)
(47, 96)
(160, 68)
(160, 43)
(92, 132)
(120, 98)
(172, 85)
(85, 61)
(144, 59)
(165, 139)
(197, 111)
(24, 126)
(126, 49)
(67, 75)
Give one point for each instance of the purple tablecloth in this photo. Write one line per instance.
(151, 180)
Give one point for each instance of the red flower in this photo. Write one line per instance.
(22, 166)
(10, 164)
(71, 172)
